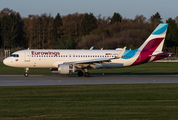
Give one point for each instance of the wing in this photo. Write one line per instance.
(93, 62)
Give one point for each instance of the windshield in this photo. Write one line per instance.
(14, 55)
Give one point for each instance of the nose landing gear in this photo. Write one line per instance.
(26, 72)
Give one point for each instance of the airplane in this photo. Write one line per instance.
(70, 61)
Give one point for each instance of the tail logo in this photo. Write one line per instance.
(154, 43)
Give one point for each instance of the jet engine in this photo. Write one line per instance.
(64, 69)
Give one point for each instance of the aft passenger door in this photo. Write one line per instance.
(27, 56)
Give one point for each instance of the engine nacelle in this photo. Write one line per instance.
(64, 69)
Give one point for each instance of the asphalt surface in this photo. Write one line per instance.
(34, 80)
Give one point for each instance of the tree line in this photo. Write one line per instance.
(81, 31)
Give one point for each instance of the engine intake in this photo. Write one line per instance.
(64, 69)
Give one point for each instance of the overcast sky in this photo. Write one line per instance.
(127, 8)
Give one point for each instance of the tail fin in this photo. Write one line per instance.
(156, 40)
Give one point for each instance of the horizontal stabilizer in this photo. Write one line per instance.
(162, 54)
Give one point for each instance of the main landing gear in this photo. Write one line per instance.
(26, 72)
(80, 73)
(86, 74)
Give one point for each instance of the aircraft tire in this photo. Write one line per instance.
(80, 73)
(26, 74)
(87, 74)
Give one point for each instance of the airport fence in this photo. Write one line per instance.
(4, 54)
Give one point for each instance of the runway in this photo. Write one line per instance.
(35, 80)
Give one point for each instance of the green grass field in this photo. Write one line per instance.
(112, 102)
(124, 102)
(149, 68)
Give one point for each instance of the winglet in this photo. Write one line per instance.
(91, 47)
(121, 53)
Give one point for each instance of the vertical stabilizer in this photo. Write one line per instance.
(156, 40)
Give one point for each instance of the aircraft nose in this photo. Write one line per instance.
(5, 61)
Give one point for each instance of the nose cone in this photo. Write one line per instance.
(5, 61)
(10, 62)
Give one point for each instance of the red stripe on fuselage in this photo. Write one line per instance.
(147, 51)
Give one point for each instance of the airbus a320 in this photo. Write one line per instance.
(70, 61)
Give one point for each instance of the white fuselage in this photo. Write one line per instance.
(50, 58)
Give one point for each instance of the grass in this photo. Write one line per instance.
(149, 68)
(125, 102)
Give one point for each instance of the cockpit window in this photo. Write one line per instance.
(14, 55)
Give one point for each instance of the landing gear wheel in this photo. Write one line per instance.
(26, 74)
(80, 73)
(87, 74)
